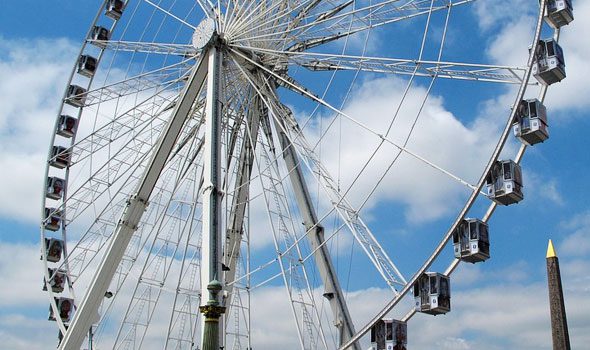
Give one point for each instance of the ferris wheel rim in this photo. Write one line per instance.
(43, 236)
(473, 197)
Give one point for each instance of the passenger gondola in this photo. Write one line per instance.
(504, 183)
(55, 187)
(60, 157)
(76, 96)
(67, 126)
(57, 280)
(549, 64)
(389, 334)
(65, 307)
(87, 66)
(471, 241)
(53, 249)
(114, 9)
(432, 294)
(530, 125)
(559, 13)
(100, 36)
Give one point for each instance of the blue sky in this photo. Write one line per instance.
(501, 304)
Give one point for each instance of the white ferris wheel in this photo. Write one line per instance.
(206, 152)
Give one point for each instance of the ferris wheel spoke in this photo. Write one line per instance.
(404, 67)
(294, 275)
(134, 211)
(173, 224)
(273, 29)
(147, 47)
(170, 77)
(99, 185)
(89, 193)
(445, 70)
(128, 159)
(167, 223)
(382, 14)
(138, 143)
(360, 231)
(171, 15)
(308, 12)
(339, 309)
(336, 22)
(182, 328)
(150, 110)
(339, 112)
(94, 240)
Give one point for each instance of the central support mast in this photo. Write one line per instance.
(211, 276)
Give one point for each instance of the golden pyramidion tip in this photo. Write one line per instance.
(551, 250)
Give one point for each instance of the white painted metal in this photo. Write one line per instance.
(270, 34)
(390, 305)
(315, 234)
(88, 309)
(211, 249)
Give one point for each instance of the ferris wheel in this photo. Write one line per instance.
(208, 156)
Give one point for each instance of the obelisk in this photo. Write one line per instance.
(559, 332)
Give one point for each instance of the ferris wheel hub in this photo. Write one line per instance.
(203, 33)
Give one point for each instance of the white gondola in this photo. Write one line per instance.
(76, 96)
(530, 125)
(471, 241)
(549, 65)
(60, 157)
(504, 183)
(559, 13)
(67, 126)
(432, 294)
(99, 36)
(389, 334)
(53, 249)
(87, 66)
(65, 306)
(52, 220)
(114, 9)
(57, 280)
(55, 188)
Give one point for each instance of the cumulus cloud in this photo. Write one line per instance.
(576, 50)
(510, 30)
(437, 135)
(512, 314)
(18, 264)
(19, 332)
(33, 78)
(543, 188)
(492, 14)
(578, 243)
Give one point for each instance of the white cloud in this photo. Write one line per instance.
(515, 30)
(18, 332)
(512, 313)
(569, 95)
(438, 136)
(577, 243)
(493, 14)
(33, 78)
(539, 186)
(20, 264)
